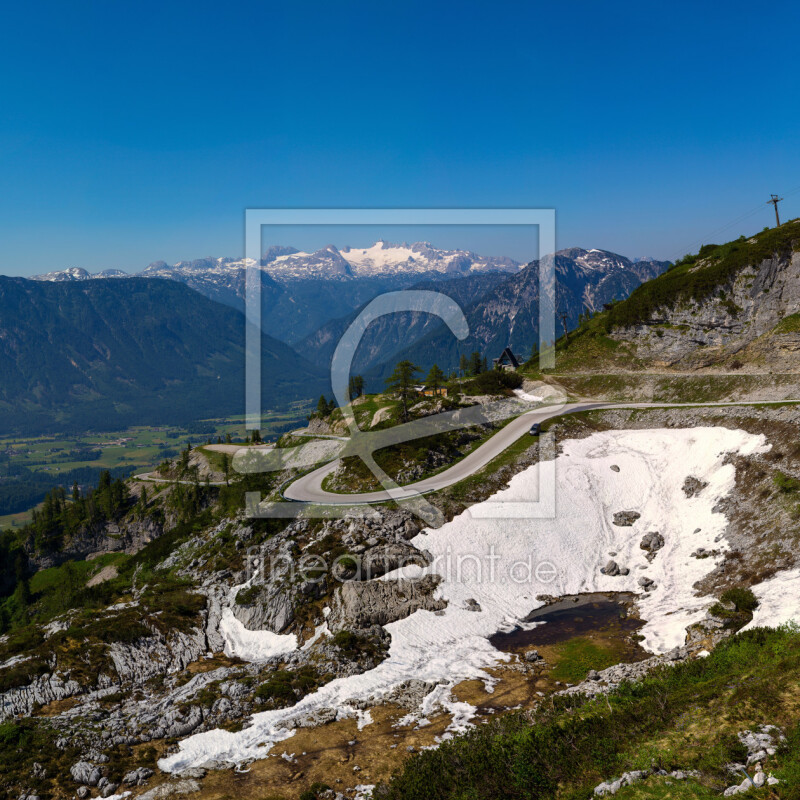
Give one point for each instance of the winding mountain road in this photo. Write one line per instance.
(308, 488)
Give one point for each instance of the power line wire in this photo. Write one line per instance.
(709, 237)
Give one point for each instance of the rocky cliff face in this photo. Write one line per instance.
(128, 535)
(728, 324)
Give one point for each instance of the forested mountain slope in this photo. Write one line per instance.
(122, 351)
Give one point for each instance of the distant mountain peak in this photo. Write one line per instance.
(386, 258)
(69, 274)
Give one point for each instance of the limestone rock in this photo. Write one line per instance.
(367, 603)
(693, 486)
(624, 519)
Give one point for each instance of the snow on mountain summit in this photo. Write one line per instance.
(69, 274)
(383, 258)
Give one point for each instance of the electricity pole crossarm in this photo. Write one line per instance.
(775, 200)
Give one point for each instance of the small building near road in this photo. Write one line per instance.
(507, 360)
(428, 391)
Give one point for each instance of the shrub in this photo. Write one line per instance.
(743, 599)
(785, 484)
(245, 597)
(277, 689)
(347, 641)
(285, 687)
(495, 381)
(314, 791)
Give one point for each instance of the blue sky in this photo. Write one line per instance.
(131, 132)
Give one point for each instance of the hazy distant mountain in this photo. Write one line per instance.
(508, 315)
(302, 291)
(79, 274)
(393, 332)
(106, 353)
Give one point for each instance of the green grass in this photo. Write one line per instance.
(790, 324)
(680, 717)
(701, 278)
(53, 578)
(579, 655)
(784, 483)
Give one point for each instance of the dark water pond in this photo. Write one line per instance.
(572, 616)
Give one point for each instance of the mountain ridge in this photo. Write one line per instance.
(709, 310)
(508, 316)
(300, 292)
(115, 352)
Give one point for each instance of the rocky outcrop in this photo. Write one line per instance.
(363, 604)
(624, 519)
(377, 561)
(43, 690)
(157, 655)
(612, 569)
(693, 486)
(269, 603)
(133, 663)
(128, 535)
(693, 334)
(652, 542)
(604, 681)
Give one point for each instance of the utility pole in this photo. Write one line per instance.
(775, 200)
(566, 329)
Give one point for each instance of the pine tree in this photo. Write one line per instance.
(435, 379)
(400, 381)
(475, 364)
(463, 365)
(356, 386)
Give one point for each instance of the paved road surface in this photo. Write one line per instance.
(309, 487)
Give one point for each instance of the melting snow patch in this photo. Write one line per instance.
(530, 398)
(494, 562)
(253, 645)
(779, 601)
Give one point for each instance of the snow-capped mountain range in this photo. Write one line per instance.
(508, 314)
(79, 274)
(329, 263)
(301, 291)
(382, 258)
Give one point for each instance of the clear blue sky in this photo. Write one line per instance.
(131, 132)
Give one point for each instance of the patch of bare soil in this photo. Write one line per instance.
(106, 574)
(337, 754)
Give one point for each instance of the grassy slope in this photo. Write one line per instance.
(682, 717)
(701, 276)
(695, 278)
